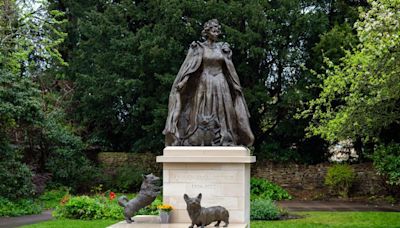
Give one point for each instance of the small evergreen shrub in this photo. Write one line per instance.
(263, 209)
(263, 189)
(340, 178)
(18, 207)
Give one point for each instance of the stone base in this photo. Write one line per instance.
(221, 174)
(123, 224)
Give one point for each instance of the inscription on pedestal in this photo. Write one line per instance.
(221, 183)
(200, 187)
(203, 176)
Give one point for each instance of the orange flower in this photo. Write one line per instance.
(65, 199)
(112, 195)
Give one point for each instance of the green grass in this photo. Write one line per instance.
(337, 219)
(311, 220)
(72, 223)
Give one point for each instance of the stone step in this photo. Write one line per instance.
(123, 224)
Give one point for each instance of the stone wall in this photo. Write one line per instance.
(111, 161)
(301, 181)
(307, 181)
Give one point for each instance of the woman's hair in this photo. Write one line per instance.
(208, 25)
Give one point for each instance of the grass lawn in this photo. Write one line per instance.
(337, 219)
(72, 223)
(311, 219)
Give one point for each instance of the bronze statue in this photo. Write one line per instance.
(202, 216)
(147, 194)
(207, 88)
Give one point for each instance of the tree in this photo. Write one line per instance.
(124, 55)
(360, 95)
(33, 131)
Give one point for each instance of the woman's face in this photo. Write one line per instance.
(213, 33)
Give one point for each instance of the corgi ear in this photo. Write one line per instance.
(199, 196)
(186, 197)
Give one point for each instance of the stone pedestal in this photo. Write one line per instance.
(221, 174)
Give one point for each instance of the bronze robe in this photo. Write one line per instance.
(184, 105)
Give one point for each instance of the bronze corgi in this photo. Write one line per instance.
(202, 216)
(147, 194)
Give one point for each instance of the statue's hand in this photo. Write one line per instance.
(180, 85)
(227, 50)
(237, 88)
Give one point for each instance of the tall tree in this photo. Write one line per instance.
(124, 56)
(360, 95)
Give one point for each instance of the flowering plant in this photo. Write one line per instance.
(112, 195)
(165, 207)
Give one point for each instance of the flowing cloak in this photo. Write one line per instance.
(180, 101)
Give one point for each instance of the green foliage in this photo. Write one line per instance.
(340, 178)
(98, 207)
(263, 189)
(127, 178)
(15, 180)
(87, 208)
(360, 95)
(51, 199)
(124, 57)
(66, 160)
(387, 162)
(152, 208)
(18, 207)
(273, 151)
(263, 209)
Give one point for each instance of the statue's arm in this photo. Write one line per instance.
(190, 64)
(227, 51)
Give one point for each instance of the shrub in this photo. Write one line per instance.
(263, 189)
(387, 162)
(85, 207)
(18, 207)
(98, 207)
(51, 199)
(127, 179)
(340, 178)
(152, 209)
(263, 209)
(15, 180)
(66, 161)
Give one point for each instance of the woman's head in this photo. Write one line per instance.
(211, 29)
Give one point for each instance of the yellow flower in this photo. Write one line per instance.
(165, 207)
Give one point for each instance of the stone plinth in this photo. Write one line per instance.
(221, 174)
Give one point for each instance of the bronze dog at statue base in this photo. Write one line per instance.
(147, 194)
(202, 216)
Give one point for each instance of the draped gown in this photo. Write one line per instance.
(212, 89)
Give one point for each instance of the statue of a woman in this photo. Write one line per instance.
(206, 104)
